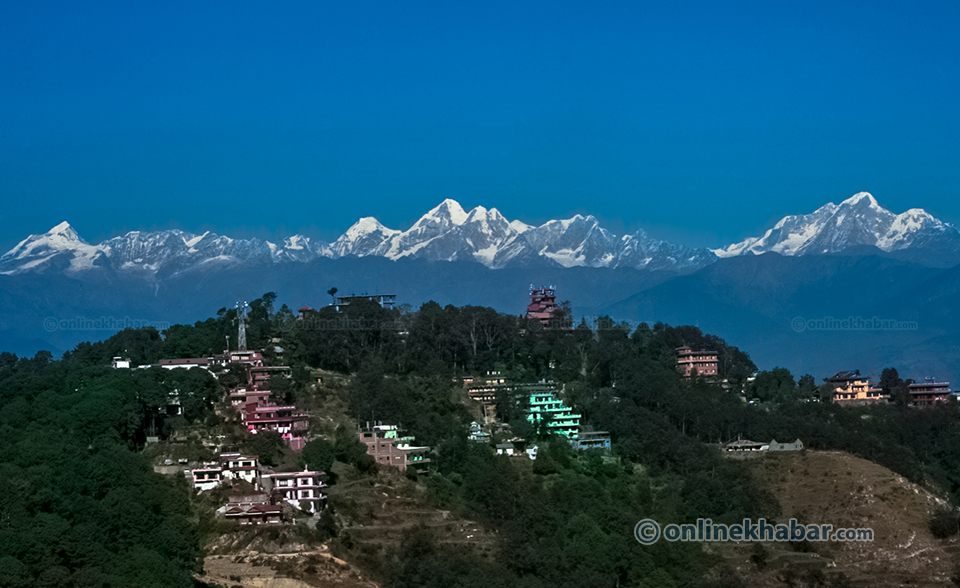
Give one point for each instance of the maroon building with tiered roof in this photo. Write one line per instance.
(543, 305)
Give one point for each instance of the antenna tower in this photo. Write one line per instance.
(242, 326)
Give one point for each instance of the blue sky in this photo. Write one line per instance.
(701, 122)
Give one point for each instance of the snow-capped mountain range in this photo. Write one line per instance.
(856, 221)
(449, 233)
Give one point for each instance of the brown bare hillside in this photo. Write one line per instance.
(276, 557)
(827, 487)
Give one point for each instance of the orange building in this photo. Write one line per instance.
(851, 387)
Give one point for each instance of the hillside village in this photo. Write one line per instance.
(258, 494)
(361, 444)
(480, 295)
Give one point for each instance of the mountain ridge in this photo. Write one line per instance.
(447, 232)
(858, 220)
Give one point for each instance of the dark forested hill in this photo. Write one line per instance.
(789, 310)
(765, 303)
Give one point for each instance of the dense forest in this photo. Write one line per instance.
(82, 507)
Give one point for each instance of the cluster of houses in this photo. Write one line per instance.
(258, 412)
(253, 401)
(853, 389)
(259, 496)
(848, 387)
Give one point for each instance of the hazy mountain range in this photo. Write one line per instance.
(853, 259)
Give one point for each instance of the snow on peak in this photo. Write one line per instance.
(64, 230)
(858, 220)
(860, 196)
(296, 242)
(367, 226)
(481, 214)
(193, 239)
(448, 209)
(448, 233)
(520, 226)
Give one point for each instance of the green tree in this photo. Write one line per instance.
(807, 386)
(318, 454)
(776, 385)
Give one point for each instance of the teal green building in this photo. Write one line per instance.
(544, 404)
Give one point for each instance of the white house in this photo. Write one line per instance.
(207, 477)
(240, 467)
(301, 489)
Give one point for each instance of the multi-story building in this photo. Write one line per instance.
(384, 300)
(303, 310)
(546, 407)
(852, 388)
(241, 397)
(246, 357)
(301, 489)
(259, 413)
(286, 420)
(929, 392)
(702, 363)
(477, 433)
(387, 447)
(207, 477)
(486, 390)
(543, 306)
(237, 466)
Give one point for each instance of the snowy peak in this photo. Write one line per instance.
(576, 241)
(484, 216)
(65, 231)
(449, 233)
(445, 233)
(865, 198)
(367, 226)
(366, 237)
(447, 213)
(61, 244)
(857, 221)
